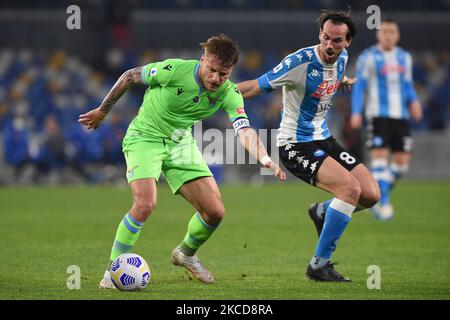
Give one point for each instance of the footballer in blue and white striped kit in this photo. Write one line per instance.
(309, 79)
(385, 94)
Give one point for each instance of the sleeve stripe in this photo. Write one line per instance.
(264, 83)
(143, 73)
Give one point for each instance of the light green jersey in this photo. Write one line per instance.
(175, 100)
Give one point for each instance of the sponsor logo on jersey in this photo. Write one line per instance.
(314, 73)
(326, 88)
(323, 107)
(392, 68)
(240, 111)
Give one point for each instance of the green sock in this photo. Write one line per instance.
(198, 232)
(126, 236)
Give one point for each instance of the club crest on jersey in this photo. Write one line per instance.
(326, 88)
(319, 153)
(153, 72)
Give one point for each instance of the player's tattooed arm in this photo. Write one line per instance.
(127, 80)
(93, 118)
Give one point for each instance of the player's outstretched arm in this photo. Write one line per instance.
(128, 79)
(249, 88)
(251, 142)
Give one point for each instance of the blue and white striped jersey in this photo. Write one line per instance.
(386, 78)
(308, 88)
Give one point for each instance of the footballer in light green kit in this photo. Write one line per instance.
(173, 102)
(159, 140)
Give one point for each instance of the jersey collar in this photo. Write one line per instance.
(200, 87)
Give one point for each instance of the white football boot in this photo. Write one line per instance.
(193, 264)
(383, 212)
(106, 282)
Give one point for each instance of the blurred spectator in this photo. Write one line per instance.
(16, 138)
(42, 95)
(118, 15)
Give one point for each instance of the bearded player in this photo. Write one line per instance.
(309, 79)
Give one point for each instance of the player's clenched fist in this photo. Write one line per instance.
(277, 171)
(92, 119)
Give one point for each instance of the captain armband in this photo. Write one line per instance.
(240, 123)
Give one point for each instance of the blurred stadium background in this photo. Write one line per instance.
(49, 75)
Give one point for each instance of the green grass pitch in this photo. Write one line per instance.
(260, 251)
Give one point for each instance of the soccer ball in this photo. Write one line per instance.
(130, 272)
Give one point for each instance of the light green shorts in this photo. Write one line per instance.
(147, 156)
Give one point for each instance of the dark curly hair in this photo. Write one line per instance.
(338, 17)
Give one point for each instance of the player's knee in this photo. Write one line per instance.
(215, 213)
(374, 196)
(371, 196)
(143, 208)
(352, 189)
